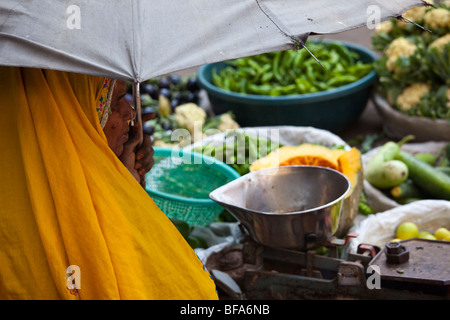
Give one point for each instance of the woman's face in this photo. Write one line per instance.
(117, 126)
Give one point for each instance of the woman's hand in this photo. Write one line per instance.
(144, 155)
(138, 160)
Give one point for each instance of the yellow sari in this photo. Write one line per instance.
(66, 200)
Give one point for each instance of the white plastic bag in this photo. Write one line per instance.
(218, 236)
(286, 135)
(378, 229)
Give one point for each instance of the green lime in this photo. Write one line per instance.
(442, 233)
(429, 237)
(424, 234)
(407, 230)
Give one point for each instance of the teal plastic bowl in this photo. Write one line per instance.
(180, 183)
(331, 110)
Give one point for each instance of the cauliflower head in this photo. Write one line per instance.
(400, 47)
(411, 95)
(190, 116)
(227, 123)
(439, 17)
(415, 14)
(384, 27)
(441, 42)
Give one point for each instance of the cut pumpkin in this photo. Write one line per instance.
(304, 154)
(346, 162)
(314, 155)
(350, 165)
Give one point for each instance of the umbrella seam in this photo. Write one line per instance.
(263, 9)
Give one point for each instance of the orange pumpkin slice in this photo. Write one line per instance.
(305, 154)
(350, 164)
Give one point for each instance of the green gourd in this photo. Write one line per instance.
(427, 157)
(435, 182)
(383, 170)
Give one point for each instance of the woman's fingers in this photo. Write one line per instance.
(144, 156)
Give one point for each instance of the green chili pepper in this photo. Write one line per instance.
(266, 77)
(303, 85)
(288, 59)
(310, 73)
(343, 52)
(341, 80)
(255, 65)
(364, 209)
(294, 72)
(276, 62)
(263, 89)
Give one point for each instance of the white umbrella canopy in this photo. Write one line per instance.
(136, 40)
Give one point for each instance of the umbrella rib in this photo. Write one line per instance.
(426, 4)
(297, 43)
(410, 21)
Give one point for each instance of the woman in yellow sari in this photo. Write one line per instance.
(74, 223)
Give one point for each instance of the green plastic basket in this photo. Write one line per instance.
(180, 183)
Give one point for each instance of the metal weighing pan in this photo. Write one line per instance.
(287, 207)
